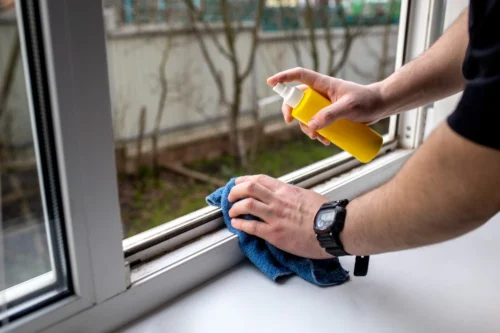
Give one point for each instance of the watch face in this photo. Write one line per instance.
(325, 219)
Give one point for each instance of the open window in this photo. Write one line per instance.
(127, 114)
(191, 107)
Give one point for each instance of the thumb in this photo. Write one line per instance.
(328, 115)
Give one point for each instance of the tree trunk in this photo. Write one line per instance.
(236, 138)
(140, 138)
(384, 56)
(162, 77)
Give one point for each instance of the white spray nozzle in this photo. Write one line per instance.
(280, 89)
(291, 95)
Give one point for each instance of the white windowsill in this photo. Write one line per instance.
(172, 274)
(334, 188)
(450, 287)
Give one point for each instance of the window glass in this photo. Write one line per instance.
(32, 263)
(191, 106)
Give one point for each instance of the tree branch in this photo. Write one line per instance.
(206, 55)
(309, 19)
(206, 26)
(255, 39)
(229, 33)
(349, 38)
(293, 35)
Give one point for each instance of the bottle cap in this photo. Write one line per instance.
(291, 95)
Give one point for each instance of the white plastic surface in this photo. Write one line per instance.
(450, 287)
(291, 95)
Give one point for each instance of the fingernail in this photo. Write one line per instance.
(313, 125)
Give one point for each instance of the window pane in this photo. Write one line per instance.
(191, 106)
(32, 264)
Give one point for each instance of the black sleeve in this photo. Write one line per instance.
(477, 116)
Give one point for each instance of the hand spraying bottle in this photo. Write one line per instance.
(355, 138)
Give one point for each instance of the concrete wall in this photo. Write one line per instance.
(192, 108)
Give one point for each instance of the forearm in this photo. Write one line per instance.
(449, 187)
(434, 75)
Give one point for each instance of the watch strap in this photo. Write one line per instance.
(327, 242)
(361, 265)
(333, 245)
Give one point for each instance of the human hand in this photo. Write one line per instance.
(350, 100)
(287, 213)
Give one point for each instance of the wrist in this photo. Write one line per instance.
(383, 102)
(380, 104)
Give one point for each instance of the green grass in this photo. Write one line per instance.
(156, 201)
(275, 160)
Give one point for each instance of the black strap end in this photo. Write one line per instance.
(361, 265)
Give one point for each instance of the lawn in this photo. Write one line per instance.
(147, 201)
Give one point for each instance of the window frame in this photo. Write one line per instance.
(107, 293)
(170, 235)
(86, 162)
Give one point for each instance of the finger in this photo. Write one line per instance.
(252, 227)
(328, 115)
(314, 135)
(372, 122)
(252, 207)
(269, 182)
(312, 79)
(287, 113)
(323, 140)
(250, 190)
(307, 131)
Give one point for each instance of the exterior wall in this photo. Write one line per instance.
(192, 110)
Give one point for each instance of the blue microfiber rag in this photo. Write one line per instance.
(272, 261)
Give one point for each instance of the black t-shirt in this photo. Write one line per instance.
(477, 116)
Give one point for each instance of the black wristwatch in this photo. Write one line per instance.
(328, 224)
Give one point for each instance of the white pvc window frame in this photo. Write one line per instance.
(79, 95)
(106, 294)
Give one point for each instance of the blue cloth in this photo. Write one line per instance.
(272, 261)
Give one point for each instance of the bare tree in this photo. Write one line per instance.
(317, 16)
(350, 33)
(163, 84)
(385, 61)
(231, 29)
(140, 138)
(284, 17)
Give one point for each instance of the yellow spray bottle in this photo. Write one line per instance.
(355, 138)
